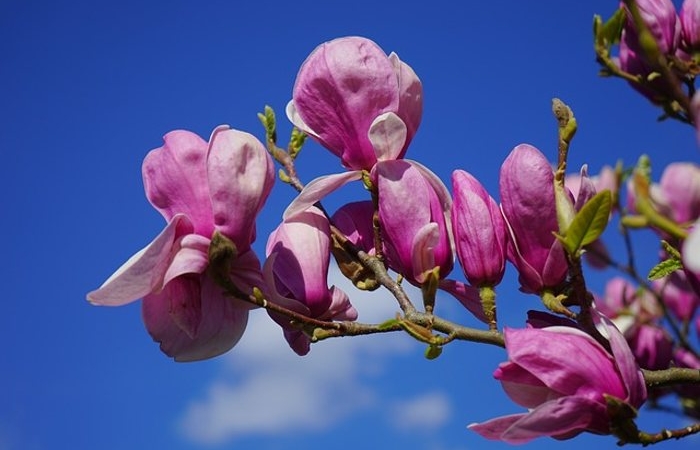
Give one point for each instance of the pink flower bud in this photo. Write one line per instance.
(479, 231)
(359, 103)
(562, 375)
(296, 271)
(690, 25)
(412, 207)
(662, 21)
(199, 188)
(527, 202)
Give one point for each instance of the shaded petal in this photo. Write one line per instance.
(318, 188)
(523, 387)
(175, 179)
(223, 319)
(143, 273)
(495, 428)
(340, 307)
(388, 136)
(241, 175)
(691, 250)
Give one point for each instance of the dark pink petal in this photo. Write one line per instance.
(354, 220)
(318, 188)
(467, 295)
(175, 179)
(222, 320)
(144, 272)
(340, 89)
(626, 364)
(241, 175)
(479, 231)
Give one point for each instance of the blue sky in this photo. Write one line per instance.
(88, 88)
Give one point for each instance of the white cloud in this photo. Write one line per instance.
(266, 388)
(426, 412)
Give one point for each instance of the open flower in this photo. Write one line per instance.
(563, 376)
(200, 189)
(359, 103)
(348, 93)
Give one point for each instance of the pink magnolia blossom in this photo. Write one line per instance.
(562, 375)
(199, 189)
(349, 95)
(527, 202)
(354, 220)
(479, 230)
(413, 204)
(296, 271)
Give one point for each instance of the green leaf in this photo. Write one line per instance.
(664, 268)
(588, 223)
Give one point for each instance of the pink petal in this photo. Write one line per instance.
(547, 357)
(175, 179)
(241, 175)
(318, 188)
(143, 273)
(423, 250)
(192, 257)
(410, 97)
(467, 295)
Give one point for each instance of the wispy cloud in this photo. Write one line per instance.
(426, 412)
(265, 388)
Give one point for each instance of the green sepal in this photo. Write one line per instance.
(389, 324)
(588, 223)
(433, 351)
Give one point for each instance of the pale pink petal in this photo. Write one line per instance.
(522, 386)
(340, 308)
(410, 97)
(318, 188)
(691, 250)
(143, 273)
(388, 136)
(493, 429)
(192, 257)
(175, 179)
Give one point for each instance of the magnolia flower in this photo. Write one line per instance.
(479, 230)
(413, 222)
(563, 376)
(200, 189)
(359, 103)
(296, 271)
(528, 205)
(349, 94)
